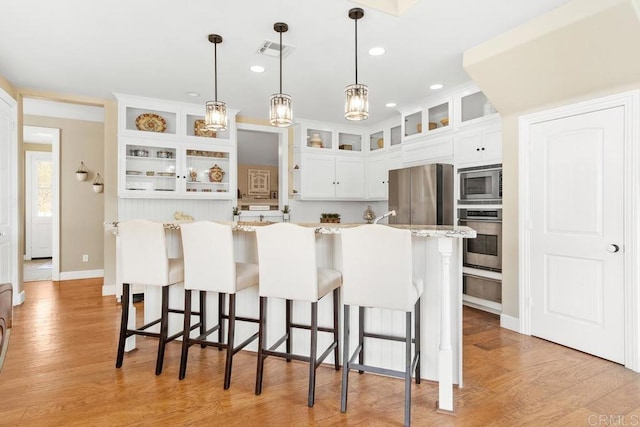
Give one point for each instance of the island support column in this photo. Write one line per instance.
(445, 352)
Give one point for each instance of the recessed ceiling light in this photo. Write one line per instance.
(257, 69)
(194, 94)
(390, 104)
(377, 51)
(436, 86)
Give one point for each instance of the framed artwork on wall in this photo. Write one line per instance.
(259, 182)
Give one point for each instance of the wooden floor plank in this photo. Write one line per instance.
(60, 370)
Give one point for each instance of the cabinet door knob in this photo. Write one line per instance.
(613, 248)
(482, 148)
(477, 149)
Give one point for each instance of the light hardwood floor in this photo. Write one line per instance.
(60, 371)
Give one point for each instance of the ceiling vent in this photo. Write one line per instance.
(269, 48)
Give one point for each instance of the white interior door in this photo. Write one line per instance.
(577, 217)
(39, 198)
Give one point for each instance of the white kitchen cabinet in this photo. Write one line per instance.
(378, 167)
(330, 177)
(385, 135)
(434, 150)
(173, 159)
(472, 107)
(174, 170)
(483, 145)
(430, 119)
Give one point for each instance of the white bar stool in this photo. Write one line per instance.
(377, 271)
(287, 264)
(144, 261)
(210, 266)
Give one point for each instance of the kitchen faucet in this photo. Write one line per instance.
(261, 218)
(380, 218)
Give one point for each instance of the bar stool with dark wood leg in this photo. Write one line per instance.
(210, 266)
(144, 261)
(377, 272)
(288, 270)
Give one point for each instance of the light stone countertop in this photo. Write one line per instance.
(453, 231)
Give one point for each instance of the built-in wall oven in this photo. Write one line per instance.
(483, 253)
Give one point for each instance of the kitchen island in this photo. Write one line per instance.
(437, 260)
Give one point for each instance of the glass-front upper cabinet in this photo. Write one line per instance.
(154, 170)
(473, 106)
(207, 171)
(147, 169)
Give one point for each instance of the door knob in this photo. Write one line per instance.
(613, 248)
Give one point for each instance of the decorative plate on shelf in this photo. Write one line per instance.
(151, 122)
(199, 129)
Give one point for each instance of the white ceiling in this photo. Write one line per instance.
(159, 48)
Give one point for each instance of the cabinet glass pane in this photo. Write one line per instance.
(396, 135)
(150, 169)
(319, 138)
(140, 119)
(195, 127)
(207, 171)
(475, 106)
(413, 124)
(376, 141)
(349, 141)
(439, 116)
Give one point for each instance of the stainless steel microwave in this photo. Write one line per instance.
(481, 184)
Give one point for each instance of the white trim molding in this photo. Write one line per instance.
(630, 101)
(81, 274)
(510, 322)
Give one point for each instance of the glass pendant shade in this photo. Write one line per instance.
(280, 112)
(356, 106)
(215, 116)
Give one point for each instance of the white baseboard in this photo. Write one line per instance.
(82, 274)
(510, 322)
(18, 298)
(108, 290)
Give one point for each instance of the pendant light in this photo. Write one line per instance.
(215, 111)
(356, 106)
(280, 113)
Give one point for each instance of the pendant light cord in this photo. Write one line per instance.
(280, 61)
(356, 50)
(215, 72)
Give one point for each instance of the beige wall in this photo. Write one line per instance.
(81, 209)
(110, 188)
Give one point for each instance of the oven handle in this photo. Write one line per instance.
(465, 220)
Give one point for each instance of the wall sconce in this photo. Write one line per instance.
(81, 172)
(98, 185)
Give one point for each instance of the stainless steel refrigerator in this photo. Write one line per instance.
(422, 195)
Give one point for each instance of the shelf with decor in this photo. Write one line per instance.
(159, 154)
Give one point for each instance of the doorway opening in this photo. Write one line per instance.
(42, 225)
(262, 170)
